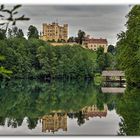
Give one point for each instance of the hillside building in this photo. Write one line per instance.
(54, 32)
(94, 44)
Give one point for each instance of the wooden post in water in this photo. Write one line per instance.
(120, 78)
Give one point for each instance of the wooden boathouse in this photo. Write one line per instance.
(113, 75)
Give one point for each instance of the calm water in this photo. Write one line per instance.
(67, 108)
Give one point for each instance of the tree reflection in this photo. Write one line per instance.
(80, 118)
(2, 121)
(33, 100)
(129, 108)
(32, 122)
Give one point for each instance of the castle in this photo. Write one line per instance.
(54, 32)
(58, 36)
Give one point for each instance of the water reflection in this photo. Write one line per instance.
(45, 108)
(55, 121)
(113, 87)
(129, 109)
(93, 111)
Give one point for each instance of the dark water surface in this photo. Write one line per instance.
(67, 108)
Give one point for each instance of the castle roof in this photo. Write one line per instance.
(97, 41)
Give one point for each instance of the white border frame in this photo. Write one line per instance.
(72, 2)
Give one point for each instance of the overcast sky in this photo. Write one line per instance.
(99, 21)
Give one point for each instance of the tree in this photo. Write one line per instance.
(80, 118)
(9, 33)
(10, 18)
(101, 59)
(111, 49)
(128, 108)
(20, 33)
(110, 60)
(61, 40)
(32, 32)
(81, 36)
(15, 32)
(2, 34)
(71, 39)
(128, 47)
(4, 72)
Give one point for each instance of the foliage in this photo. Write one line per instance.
(11, 18)
(128, 108)
(101, 59)
(111, 49)
(8, 18)
(105, 61)
(128, 47)
(61, 40)
(15, 32)
(81, 36)
(4, 72)
(71, 39)
(2, 34)
(45, 98)
(32, 32)
(98, 79)
(35, 58)
(79, 39)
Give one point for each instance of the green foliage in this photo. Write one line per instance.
(81, 36)
(66, 61)
(128, 47)
(32, 32)
(98, 79)
(105, 61)
(128, 108)
(2, 58)
(34, 58)
(4, 72)
(101, 59)
(15, 33)
(43, 98)
(79, 39)
(2, 34)
(8, 18)
(61, 40)
(111, 49)
(33, 100)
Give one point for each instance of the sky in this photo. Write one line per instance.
(98, 21)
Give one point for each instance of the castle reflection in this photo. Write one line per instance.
(53, 122)
(58, 120)
(93, 111)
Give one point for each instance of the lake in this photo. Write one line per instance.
(30, 107)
